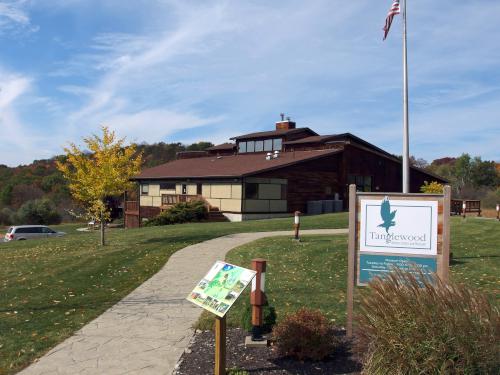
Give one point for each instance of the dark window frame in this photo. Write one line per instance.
(251, 190)
(165, 185)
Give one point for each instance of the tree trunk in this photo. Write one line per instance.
(102, 230)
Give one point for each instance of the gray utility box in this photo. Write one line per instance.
(314, 207)
(324, 207)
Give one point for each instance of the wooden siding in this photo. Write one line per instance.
(308, 181)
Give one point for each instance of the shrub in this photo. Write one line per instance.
(7, 216)
(306, 334)
(269, 318)
(38, 211)
(181, 213)
(416, 325)
(432, 188)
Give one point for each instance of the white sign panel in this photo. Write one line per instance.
(398, 226)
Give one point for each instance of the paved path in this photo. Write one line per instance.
(148, 330)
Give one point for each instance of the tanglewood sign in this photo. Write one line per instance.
(394, 230)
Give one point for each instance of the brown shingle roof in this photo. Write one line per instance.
(312, 139)
(229, 166)
(273, 133)
(223, 146)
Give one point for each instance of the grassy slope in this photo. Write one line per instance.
(49, 288)
(313, 273)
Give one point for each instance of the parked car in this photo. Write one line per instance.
(27, 232)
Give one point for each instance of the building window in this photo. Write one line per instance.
(277, 144)
(251, 146)
(268, 145)
(167, 186)
(259, 146)
(242, 147)
(363, 183)
(144, 189)
(199, 189)
(251, 191)
(184, 189)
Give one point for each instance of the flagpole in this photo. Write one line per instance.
(406, 137)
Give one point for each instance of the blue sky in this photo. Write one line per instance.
(162, 70)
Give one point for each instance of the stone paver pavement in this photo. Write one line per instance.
(148, 330)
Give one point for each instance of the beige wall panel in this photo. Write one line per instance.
(154, 190)
(269, 191)
(214, 202)
(178, 188)
(278, 206)
(236, 191)
(233, 205)
(191, 189)
(205, 190)
(156, 202)
(254, 205)
(221, 191)
(146, 201)
(169, 191)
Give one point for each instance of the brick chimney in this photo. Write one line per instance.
(285, 124)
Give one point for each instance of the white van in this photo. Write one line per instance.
(26, 232)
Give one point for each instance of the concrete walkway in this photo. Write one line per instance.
(148, 330)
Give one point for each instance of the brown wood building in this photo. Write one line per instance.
(271, 174)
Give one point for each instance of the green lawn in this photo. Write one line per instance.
(49, 288)
(313, 272)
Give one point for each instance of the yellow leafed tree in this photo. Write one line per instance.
(101, 172)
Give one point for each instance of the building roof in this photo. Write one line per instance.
(311, 139)
(274, 133)
(222, 146)
(229, 166)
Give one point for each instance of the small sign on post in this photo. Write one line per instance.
(394, 230)
(296, 225)
(217, 292)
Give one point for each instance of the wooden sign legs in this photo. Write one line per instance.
(220, 346)
(351, 259)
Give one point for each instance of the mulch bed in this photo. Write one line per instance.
(198, 359)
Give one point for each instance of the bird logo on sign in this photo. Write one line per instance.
(387, 215)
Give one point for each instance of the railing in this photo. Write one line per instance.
(168, 200)
(470, 206)
(131, 206)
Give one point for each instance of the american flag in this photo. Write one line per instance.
(388, 21)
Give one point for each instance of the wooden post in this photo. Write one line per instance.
(296, 225)
(498, 211)
(464, 208)
(257, 298)
(445, 253)
(220, 346)
(351, 259)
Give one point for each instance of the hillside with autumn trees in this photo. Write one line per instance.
(40, 184)
(40, 187)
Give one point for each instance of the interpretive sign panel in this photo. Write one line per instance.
(399, 226)
(220, 287)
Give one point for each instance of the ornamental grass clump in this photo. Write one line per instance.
(306, 334)
(414, 324)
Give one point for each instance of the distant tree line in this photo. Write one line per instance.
(40, 185)
(470, 177)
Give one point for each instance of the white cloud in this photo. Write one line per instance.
(13, 17)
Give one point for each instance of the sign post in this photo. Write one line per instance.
(220, 346)
(394, 230)
(296, 225)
